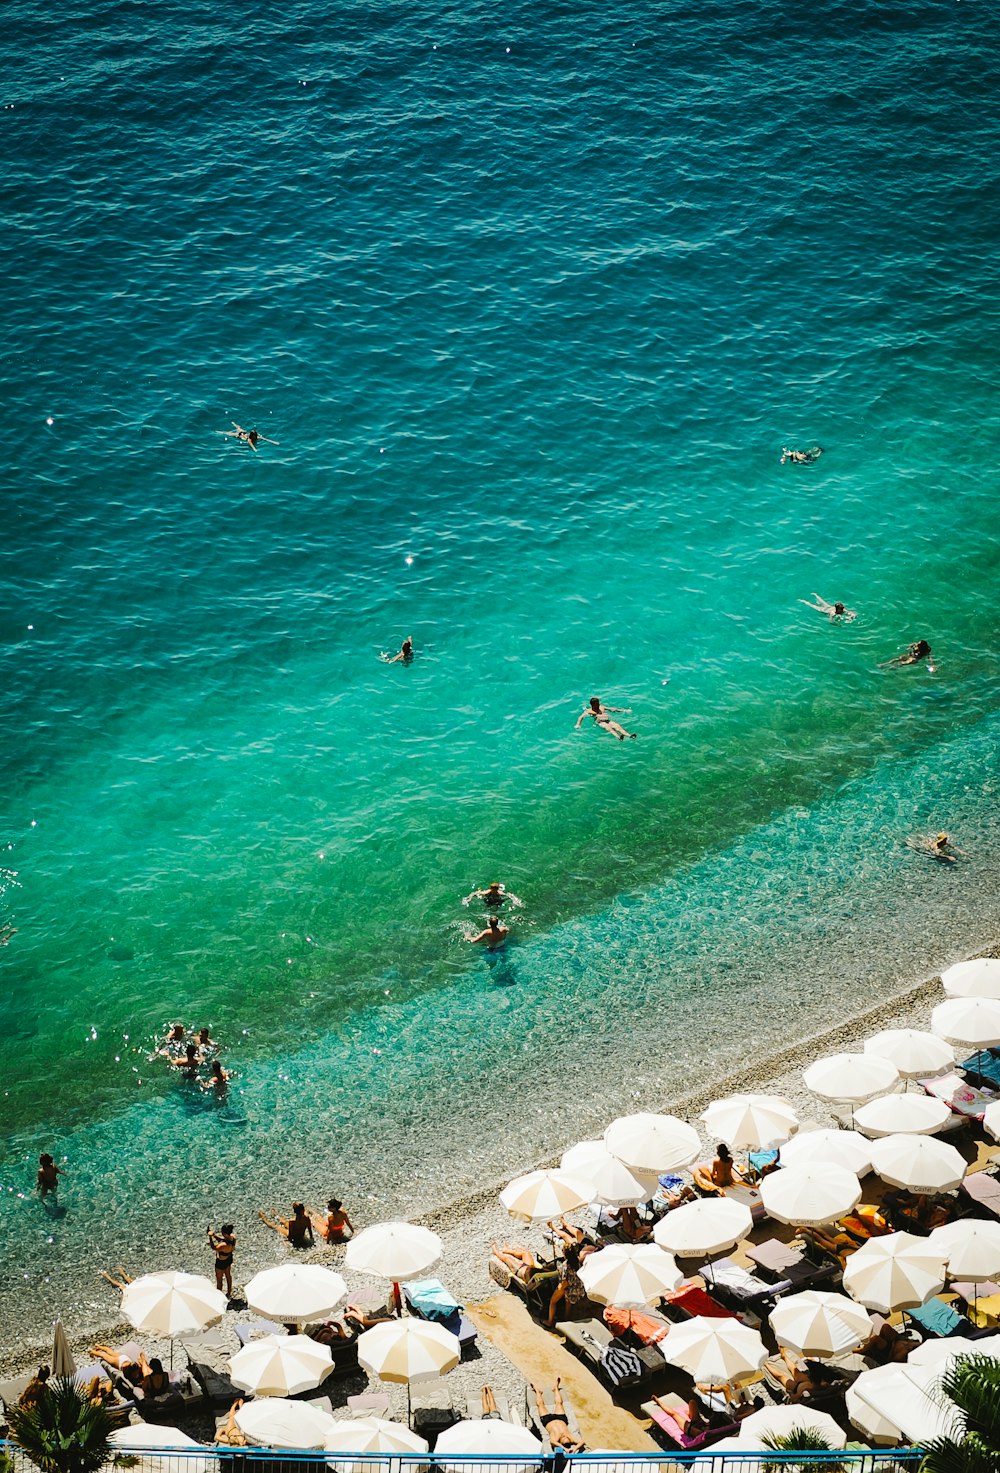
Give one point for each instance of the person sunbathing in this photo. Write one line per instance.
(134, 1371)
(691, 1420)
(625, 1222)
(569, 1235)
(335, 1226)
(490, 1409)
(118, 1280)
(557, 1428)
(521, 1261)
(349, 1327)
(229, 1434)
(713, 1180)
(888, 1344)
(36, 1388)
(800, 1379)
(298, 1229)
(156, 1381)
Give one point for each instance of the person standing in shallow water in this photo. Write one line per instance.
(602, 718)
(494, 934)
(48, 1176)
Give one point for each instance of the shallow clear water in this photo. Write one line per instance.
(531, 302)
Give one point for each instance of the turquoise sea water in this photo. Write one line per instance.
(531, 300)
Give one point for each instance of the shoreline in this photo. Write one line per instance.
(467, 1223)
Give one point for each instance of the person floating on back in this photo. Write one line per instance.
(602, 718)
(835, 611)
(253, 438)
(800, 457)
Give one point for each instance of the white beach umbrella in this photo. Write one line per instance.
(906, 1397)
(281, 1365)
(488, 1438)
(408, 1350)
(852, 1078)
(653, 1143)
(272, 1421)
(818, 1324)
(296, 1292)
(915, 1053)
(844, 1148)
(810, 1195)
(714, 1351)
(172, 1303)
(902, 1115)
(698, 1229)
(629, 1274)
(968, 1022)
(611, 1181)
(873, 1426)
(991, 1120)
(157, 1439)
(977, 978)
(394, 1250)
(782, 1421)
(971, 1247)
(751, 1122)
(940, 1353)
(918, 1163)
(898, 1271)
(542, 1195)
(370, 1435)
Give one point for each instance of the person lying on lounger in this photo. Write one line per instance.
(521, 1261)
(801, 1379)
(348, 1327)
(567, 1233)
(714, 1179)
(889, 1344)
(625, 1222)
(556, 1426)
(298, 1229)
(133, 1370)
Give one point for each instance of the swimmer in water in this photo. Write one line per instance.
(6, 932)
(48, 1176)
(835, 611)
(494, 935)
(174, 1041)
(938, 846)
(494, 896)
(919, 650)
(248, 437)
(602, 718)
(218, 1080)
(800, 457)
(405, 654)
(206, 1043)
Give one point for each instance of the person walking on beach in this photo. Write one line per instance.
(493, 897)
(835, 611)
(223, 1244)
(494, 935)
(47, 1183)
(602, 718)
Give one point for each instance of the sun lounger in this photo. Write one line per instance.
(779, 1260)
(961, 1095)
(739, 1288)
(615, 1362)
(430, 1300)
(509, 1411)
(983, 1067)
(665, 1420)
(691, 1300)
(257, 1330)
(431, 1411)
(937, 1319)
(542, 1432)
(369, 1404)
(983, 1188)
(982, 1302)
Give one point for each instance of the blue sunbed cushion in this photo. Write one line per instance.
(985, 1064)
(938, 1318)
(430, 1299)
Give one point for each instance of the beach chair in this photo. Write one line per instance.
(983, 1188)
(740, 1289)
(542, 1432)
(257, 1330)
(431, 1411)
(983, 1068)
(780, 1261)
(937, 1319)
(430, 1300)
(618, 1363)
(660, 1414)
(961, 1095)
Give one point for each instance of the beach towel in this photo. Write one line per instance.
(648, 1329)
(620, 1365)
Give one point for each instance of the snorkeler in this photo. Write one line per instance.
(835, 611)
(800, 457)
(493, 896)
(405, 654)
(248, 437)
(938, 846)
(919, 650)
(493, 935)
(602, 718)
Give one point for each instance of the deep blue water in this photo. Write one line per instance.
(530, 300)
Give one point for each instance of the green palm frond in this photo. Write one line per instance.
(63, 1432)
(799, 1440)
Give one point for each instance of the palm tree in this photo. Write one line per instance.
(799, 1440)
(972, 1384)
(63, 1432)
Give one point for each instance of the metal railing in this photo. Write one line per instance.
(220, 1459)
